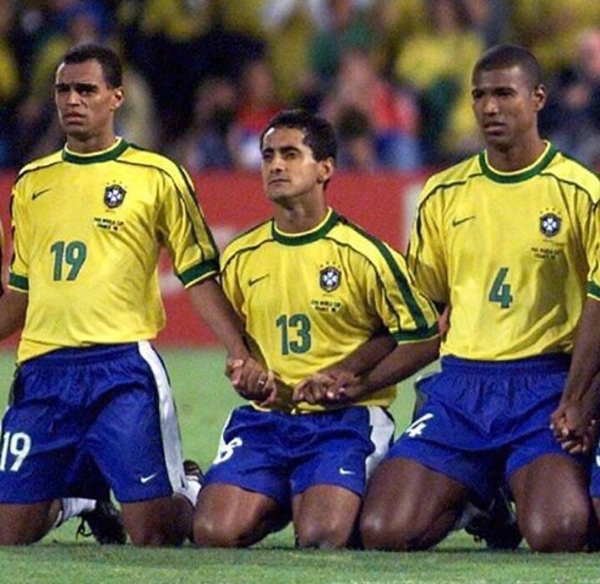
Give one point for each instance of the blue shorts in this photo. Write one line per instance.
(281, 455)
(72, 410)
(595, 476)
(85, 480)
(482, 421)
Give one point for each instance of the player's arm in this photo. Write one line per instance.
(405, 360)
(402, 362)
(580, 401)
(326, 384)
(210, 303)
(409, 316)
(13, 308)
(193, 251)
(365, 357)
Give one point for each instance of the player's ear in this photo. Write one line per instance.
(540, 95)
(117, 98)
(325, 170)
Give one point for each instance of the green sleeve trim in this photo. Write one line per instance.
(18, 282)
(199, 272)
(418, 335)
(594, 290)
(403, 285)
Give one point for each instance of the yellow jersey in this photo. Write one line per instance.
(87, 233)
(594, 281)
(510, 253)
(308, 300)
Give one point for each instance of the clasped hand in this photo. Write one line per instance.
(328, 387)
(574, 427)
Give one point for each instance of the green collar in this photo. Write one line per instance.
(520, 175)
(308, 236)
(111, 153)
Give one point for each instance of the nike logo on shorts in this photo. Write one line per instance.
(148, 478)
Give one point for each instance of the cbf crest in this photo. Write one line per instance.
(114, 195)
(550, 223)
(330, 278)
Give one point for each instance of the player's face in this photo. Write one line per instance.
(85, 103)
(506, 106)
(289, 169)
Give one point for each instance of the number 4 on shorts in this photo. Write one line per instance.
(417, 427)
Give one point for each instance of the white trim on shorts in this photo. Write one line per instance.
(382, 432)
(169, 426)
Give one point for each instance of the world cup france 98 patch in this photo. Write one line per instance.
(330, 278)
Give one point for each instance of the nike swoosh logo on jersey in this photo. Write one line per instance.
(456, 222)
(37, 194)
(253, 281)
(148, 478)
(345, 471)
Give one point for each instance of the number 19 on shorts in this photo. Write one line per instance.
(15, 448)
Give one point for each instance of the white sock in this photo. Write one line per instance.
(72, 507)
(191, 490)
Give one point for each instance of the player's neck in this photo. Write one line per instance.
(90, 144)
(517, 157)
(299, 218)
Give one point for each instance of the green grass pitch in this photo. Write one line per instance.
(203, 399)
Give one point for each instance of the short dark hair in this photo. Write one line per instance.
(109, 60)
(508, 55)
(318, 132)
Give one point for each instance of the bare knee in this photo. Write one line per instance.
(409, 506)
(553, 506)
(377, 533)
(166, 521)
(26, 524)
(147, 538)
(212, 531)
(227, 516)
(157, 535)
(10, 536)
(216, 526)
(334, 533)
(407, 530)
(557, 532)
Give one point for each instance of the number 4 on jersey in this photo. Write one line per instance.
(500, 291)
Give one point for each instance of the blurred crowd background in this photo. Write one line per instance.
(202, 77)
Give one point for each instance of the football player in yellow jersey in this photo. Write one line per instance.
(575, 421)
(99, 515)
(88, 223)
(505, 240)
(311, 288)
